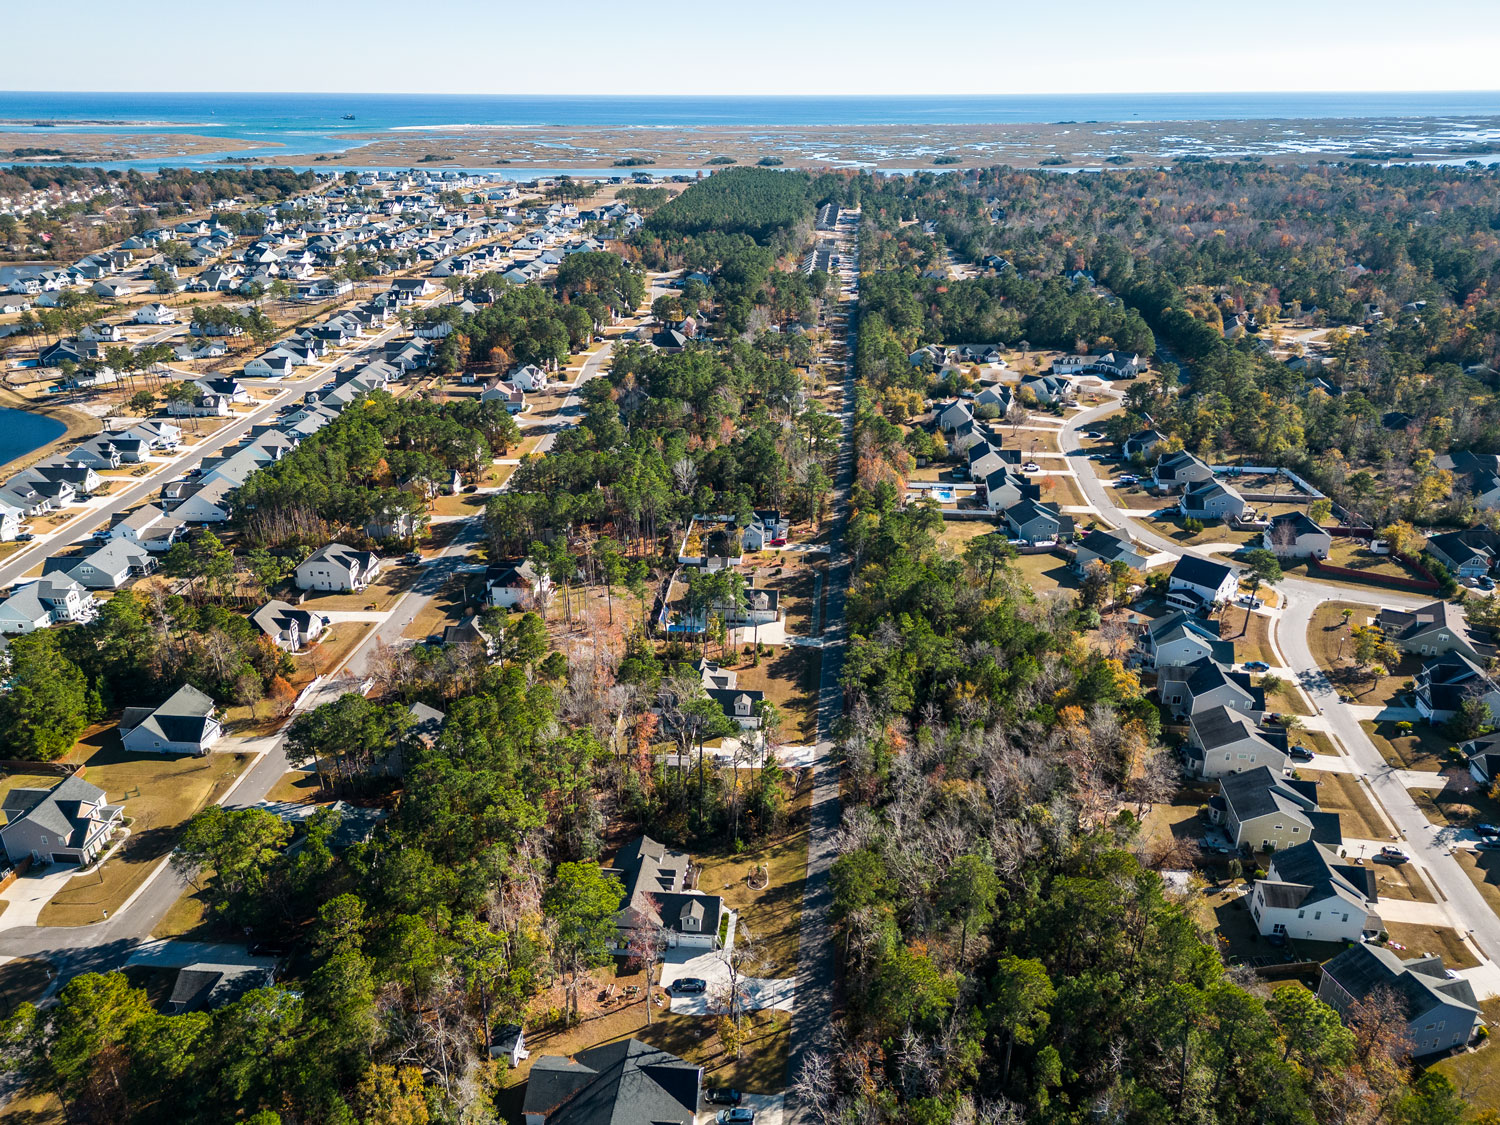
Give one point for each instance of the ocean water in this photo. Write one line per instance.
(314, 123)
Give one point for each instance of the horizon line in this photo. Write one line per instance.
(831, 97)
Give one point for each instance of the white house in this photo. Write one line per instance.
(515, 582)
(1312, 893)
(187, 723)
(1292, 535)
(155, 314)
(50, 601)
(337, 567)
(1197, 583)
(528, 377)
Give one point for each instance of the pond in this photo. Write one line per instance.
(21, 431)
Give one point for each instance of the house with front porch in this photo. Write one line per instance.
(336, 567)
(69, 823)
(660, 893)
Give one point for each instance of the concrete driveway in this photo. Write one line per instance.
(32, 891)
(761, 992)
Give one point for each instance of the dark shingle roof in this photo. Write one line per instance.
(623, 1083)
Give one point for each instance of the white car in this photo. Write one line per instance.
(1031, 467)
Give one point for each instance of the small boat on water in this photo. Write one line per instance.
(348, 117)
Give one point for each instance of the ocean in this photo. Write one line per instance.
(311, 123)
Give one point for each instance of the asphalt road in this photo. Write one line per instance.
(817, 964)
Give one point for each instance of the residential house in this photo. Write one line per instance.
(1432, 629)
(515, 583)
(69, 823)
(498, 390)
(1310, 892)
(1141, 444)
(206, 985)
(1048, 389)
(660, 891)
(10, 521)
(1483, 755)
(1177, 639)
(289, 627)
(1446, 681)
(1293, 535)
(155, 314)
(766, 528)
(1211, 500)
(199, 500)
(1197, 583)
(1177, 471)
(626, 1082)
(953, 416)
(1440, 1010)
(1107, 547)
(1265, 811)
(529, 378)
(740, 705)
(1469, 554)
(106, 567)
(148, 526)
(1186, 689)
(1005, 488)
(1477, 474)
(187, 723)
(50, 601)
(1115, 365)
(337, 567)
(1033, 522)
(1223, 741)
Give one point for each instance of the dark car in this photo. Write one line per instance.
(1301, 753)
(1486, 583)
(687, 985)
(25, 537)
(1486, 831)
(413, 559)
(724, 1095)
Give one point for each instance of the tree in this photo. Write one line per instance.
(1263, 567)
(143, 402)
(45, 706)
(181, 393)
(1403, 539)
(968, 892)
(240, 847)
(581, 905)
(1020, 1010)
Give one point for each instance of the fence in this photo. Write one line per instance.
(61, 769)
(1426, 585)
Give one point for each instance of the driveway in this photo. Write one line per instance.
(761, 993)
(32, 891)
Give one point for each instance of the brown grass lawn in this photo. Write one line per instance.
(461, 503)
(1476, 1074)
(1332, 646)
(1287, 700)
(1031, 441)
(188, 918)
(1355, 555)
(1341, 793)
(1212, 533)
(160, 794)
(446, 608)
(956, 533)
(9, 781)
(33, 1105)
(1251, 634)
(378, 596)
(1401, 881)
(1169, 826)
(1431, 939)
(1327, 634)
(1059, 490)
(1046, 574)
(1316, 741)
(338, 641)
(789, 676)
(300, 786)
(1461, 803)
(795, 578)
(1425, 748)
(1483, 868)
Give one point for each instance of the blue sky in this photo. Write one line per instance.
(764, 47)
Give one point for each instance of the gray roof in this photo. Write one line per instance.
(1111, 546)
(184, 717)
(622, 1083)
(656, 878)
(1319, 872)
(59, 810)
(1200, 571)
(1419, 984)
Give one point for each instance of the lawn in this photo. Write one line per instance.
(956, 533)
(338, 641)
(1401, 881)
(188, 918)
(1341, 793)
(300, 786)
(9, 781)
(1332, 647)
(1426, 748)
(1418, 939)
(377, 596)
(1060, 490)
(461, 503)
(1483, 869)
(1046, 574)
(1170, 830)
(1211, 533)
(447, 607)
(790, 677)
(1476, 1074)
(1316, 741)
(1286, 699)
(1460, 803)
(159, 793)
(1251, 634)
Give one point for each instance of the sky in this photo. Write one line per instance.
(591, 47)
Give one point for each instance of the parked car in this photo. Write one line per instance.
(1031, 467)
(1488, 845)
(1127, 478)
(739, 1115)
(1486, 582)
(25, 537)
(1250, 601)
(1301, 754)
(1256, 666)
(413, 558)
(724, 1095)
(1486, 831)
(1392, 854)
(690, 985)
